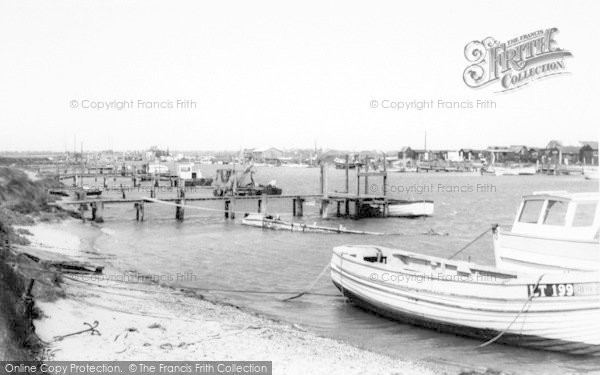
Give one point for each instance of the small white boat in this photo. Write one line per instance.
(409, 208)
(557, 312)
(553, 231)
(513, 171)
(271, 222)
(544, 292)
(591, 173)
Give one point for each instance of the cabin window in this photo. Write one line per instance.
(556, 212)
(584, 214)
(531, 211)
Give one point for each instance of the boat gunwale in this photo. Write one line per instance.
(531, 278)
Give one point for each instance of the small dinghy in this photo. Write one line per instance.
(409, 208)
(271, 222)
(544, 292)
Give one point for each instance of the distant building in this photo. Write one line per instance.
(510, 154)
(557, 153)
(469, 154)
(267, 154)
(588, 153)
(406, 153)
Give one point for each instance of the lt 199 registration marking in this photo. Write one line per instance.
(551, 290)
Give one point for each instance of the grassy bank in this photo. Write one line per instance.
(22, 201)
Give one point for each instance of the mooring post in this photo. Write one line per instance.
(265, 203)
(232, 211)
(347, 208)
(324, 205)
(259, 205)
(227, 202)
(99, 216)
(94, 209)
(347, 173)
(294, 207)
(338, 213)
(104, 182)
(82, 208)
(182, 208)
(300, 210)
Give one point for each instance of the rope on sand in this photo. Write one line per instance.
(307, 290)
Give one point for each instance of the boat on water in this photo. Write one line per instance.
(591, 173)
(511, 171)
(552, 303)
(275, 223)
(410, 208)
(552, 232)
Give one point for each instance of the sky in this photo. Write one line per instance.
(283, 74)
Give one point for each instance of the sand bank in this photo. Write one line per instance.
(150, 322)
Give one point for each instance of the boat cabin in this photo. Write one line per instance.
(558, 214)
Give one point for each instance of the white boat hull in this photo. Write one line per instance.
(410, 208)
(517, 171)
(528, 253)
(471, 300)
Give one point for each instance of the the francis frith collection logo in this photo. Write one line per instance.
(514, 63)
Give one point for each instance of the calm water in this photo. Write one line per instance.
(206, 251)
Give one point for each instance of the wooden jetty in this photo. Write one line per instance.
(355, 206)
(96, 206)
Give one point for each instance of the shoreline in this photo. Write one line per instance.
(149, 321)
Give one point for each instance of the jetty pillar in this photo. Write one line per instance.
(299, 207)
(324, 206)
(139, 211)
(97, 212)
(180, 210)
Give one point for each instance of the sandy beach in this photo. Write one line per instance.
(139, 321)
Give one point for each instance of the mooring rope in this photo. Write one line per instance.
(472, 242)
(528, 302)
(310, 286)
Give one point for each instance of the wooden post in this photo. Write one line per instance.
(338, 213)
(180, 210)
(294, 207)
(82, 211)
(227, 202)
(99, 214)
(324, 205)
(265, 204)
(347, 203)
(300, 210)
(232, 211)
(347, 173)
(366, 176)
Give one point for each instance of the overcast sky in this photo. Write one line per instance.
(284, 74)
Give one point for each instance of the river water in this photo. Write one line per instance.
(206, 251)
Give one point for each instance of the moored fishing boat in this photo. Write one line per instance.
(557, 312)
(410, 208)
(544, 291)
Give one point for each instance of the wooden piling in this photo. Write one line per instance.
(227, 203)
